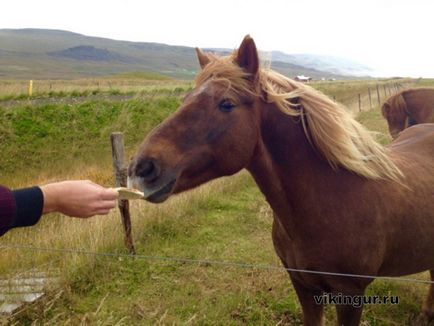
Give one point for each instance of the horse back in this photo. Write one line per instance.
(420, 104)
(417, 139)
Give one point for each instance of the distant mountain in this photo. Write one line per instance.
(331, 64)
(41, 54)
(91, 53)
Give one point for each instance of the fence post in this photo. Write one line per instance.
(370, 99)
(120, 172)
(378, 96)
(360, 104)
(384, 86)
(30, 88)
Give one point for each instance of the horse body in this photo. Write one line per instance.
(341, 202)
(353, 236)
(409, 107)
(378, 227)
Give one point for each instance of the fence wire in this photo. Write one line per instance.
(208, 262)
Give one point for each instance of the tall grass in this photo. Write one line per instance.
(16, 90)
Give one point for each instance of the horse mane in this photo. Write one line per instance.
(397, 106)
(341, 140)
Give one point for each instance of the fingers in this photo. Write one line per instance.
(82, 198)
(107, 204)
(109, 194)
(103, 212)
(106, 207)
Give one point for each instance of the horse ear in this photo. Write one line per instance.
(202, 57)
(247, 56)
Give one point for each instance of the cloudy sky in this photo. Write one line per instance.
(392, 36)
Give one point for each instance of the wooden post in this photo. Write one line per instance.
(370, 99)
(120, 172)
(378, 96)
(360, 104)
(384, 86)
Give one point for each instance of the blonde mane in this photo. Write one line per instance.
(341, 140)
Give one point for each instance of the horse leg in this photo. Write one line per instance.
(348, 315)
(313, 313)
(428, 306)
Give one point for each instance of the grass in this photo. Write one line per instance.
(227, 226)
(62, 132)
(226, 220)
(125, 84)
(376, 123)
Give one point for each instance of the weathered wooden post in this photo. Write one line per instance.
(120, 172)
(370, 99)
(378, 96)
(360, 104)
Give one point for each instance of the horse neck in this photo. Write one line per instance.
(291, 174)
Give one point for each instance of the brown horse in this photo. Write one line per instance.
(407, 108)
(341, 202)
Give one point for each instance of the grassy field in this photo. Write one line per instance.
(225, 220)
(135, 83)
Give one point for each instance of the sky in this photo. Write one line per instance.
(392, 37)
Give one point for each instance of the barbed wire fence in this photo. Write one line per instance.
(373, 97)
(205, 262)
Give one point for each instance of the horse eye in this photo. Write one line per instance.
(226, 105)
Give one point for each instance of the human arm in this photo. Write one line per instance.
(21, 207)
(24, 207)
(78, 198)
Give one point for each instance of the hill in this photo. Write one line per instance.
(44, 54)
(331, 64)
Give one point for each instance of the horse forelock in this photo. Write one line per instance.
(223, 71)
(329, 127)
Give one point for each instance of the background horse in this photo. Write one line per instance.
(407, 108)
(342, 202)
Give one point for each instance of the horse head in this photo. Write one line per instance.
(213, 133)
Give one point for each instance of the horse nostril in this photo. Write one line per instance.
(147, 169)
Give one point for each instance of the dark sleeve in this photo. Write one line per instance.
(22, 207)
(7, 209)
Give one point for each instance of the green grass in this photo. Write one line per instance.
(376, 123)
(151, 75)
(177, 90)
(36, 135)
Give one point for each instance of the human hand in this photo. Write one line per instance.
(78, 198)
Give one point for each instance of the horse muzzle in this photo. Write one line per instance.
(148, 176)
